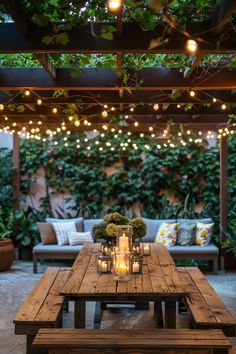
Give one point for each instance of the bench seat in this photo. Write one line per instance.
(41, 252)
(82, 341)
(43, 307)
(205, 307)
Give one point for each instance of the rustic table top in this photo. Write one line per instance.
(159, 277)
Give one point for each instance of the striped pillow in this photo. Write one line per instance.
(78, 238)
(61, 230)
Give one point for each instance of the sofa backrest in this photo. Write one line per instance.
(88, 224)
(152, 228)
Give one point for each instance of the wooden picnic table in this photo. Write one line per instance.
(160, 282)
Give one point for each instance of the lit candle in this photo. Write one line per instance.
(146, 249)
(135, 267)
(124, 243)
(104, 266)
(122, 269)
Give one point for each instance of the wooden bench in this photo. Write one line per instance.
(84, 341)
(205, 307)
(43, 307)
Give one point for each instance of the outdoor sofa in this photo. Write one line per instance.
(54, 251)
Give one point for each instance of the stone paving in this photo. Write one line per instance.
(16, 284)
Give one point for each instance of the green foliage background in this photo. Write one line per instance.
(142, 177)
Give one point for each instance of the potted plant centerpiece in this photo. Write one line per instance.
(107, 229)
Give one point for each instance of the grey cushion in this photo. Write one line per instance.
(212, 249)
(55, 248)
(78, 222)
(152, 228)
(193, 221)
(88, 224)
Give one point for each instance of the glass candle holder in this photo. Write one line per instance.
(104, 263)
(146, 249)
(106, 248)
(136, 263)
(136, 247)
(122, 266)
(124, 237)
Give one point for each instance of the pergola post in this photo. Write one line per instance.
(223, 187)
(16, 171)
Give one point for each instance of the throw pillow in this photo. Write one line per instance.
(203, 234)
(61, 230)
(186, 234)
(79, 222)
(167, 234)
(47, 233)
(78, 238)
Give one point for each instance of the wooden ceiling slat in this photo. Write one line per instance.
(133, 40)
(106, 79)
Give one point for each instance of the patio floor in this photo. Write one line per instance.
(16, 284)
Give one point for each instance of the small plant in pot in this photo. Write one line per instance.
(7, 251)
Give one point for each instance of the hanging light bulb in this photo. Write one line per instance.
(77, 123)
(1, 107)
(27, 92)
(105, 106)
(104, 114)
(223, 107)
(114, 5)
(156, 107)
(191, 46)
(113, 108)
(54, 110)
(136, 124)
(214, 100)
(192, 93)
(178, 106)
(39, 101)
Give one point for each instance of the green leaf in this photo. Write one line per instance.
(107, 35)
(20, 108)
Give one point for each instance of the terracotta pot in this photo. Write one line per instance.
(6, 254)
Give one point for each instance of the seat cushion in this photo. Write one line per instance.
(211, 249)
(40, 248)
(153, 227)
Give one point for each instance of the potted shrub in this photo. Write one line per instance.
(7, 251)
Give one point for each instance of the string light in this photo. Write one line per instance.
(105, 106)
(113, 108)
(54, 110)
(150, 129)
(178, 105)
(156, 107)
(192, 93)
(126, 116)
(104, 114)
(223, 106)
(77, 123)
(39, 101)
(214, 100)
(1, 107)
(191, 46)
(131, 109)
(27, 92)
(114, 5)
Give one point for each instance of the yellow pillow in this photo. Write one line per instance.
(167, 234)
(203, 234)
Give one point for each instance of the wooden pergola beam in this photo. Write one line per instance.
(225, 9)
(14, 8)
(106, 79)
(133, 40)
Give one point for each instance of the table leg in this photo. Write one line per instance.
(158, 313)
(80, 314)
(170, 314)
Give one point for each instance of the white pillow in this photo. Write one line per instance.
(78, 238)
(61, 230)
